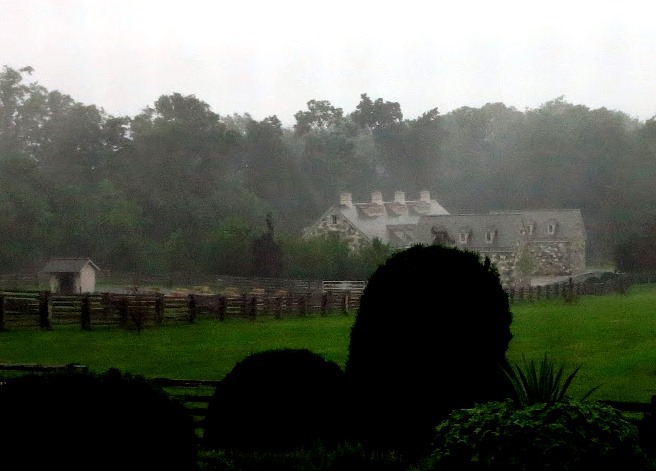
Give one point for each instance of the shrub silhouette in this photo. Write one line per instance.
(80, 421)
(430, 336)
(277, 400)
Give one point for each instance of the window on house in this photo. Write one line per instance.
(530, 227)
(551, 228)
(463, 237)
(333, 219)
(489, 237)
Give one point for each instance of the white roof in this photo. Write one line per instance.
(373, 219)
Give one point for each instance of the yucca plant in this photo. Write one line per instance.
(535, 382)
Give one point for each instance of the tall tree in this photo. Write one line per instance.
(376, 114)
(320, 115)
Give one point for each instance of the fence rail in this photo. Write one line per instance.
(241, 298)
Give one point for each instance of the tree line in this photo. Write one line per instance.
(181, 187)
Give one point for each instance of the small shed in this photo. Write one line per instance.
(71, 275)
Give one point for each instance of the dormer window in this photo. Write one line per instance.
(333, 219)
(551, 228)
(530, 228)
(489, 236)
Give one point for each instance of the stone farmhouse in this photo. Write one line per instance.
(522, 244)
(360, 223)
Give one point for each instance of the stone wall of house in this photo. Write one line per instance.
(341, 229)
(545, 258)
(506, 265)
(558, 258)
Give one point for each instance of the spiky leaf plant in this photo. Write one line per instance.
(542, 382)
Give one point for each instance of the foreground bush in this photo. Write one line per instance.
(567, 435)
(277, 400)
(81, 421)
(430, 336)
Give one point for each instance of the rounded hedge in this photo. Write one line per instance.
(277, 400)
(430, 336)
(77, 420)
(566, 435)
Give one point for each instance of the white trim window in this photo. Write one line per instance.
(333, 219)
(551, 228)
(463, 237)
(489, 236)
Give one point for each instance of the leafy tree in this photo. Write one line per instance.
(376, 114)
(271, 172)
(267, 254)
(100, 222)
(316, 258)
(26, 215)
(16, 98)
(320, 115)
(227, 248)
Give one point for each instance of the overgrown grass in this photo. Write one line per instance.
(612, 337)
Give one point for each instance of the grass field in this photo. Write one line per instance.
(613, 337)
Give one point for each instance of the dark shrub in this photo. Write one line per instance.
(343, 457)
(277, 400)
(82, 421)
(566, 435)
(430, 336)
(647, 429)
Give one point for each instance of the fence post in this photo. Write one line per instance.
(345, 303)
(302, 305)
(244, 306)
(159, 308)
(252, 308)
(2, 313)
(44, 312)
(85, 312)
(324, 303)
(123, 308)
(289, 304)
(192, 308)
(569, 291)
(278, 307)
(106, 305)
(222, 305)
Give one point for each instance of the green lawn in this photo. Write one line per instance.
(613, 337)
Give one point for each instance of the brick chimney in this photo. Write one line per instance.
(399, 197)
(345, 199)
(377, 197)
(424, 196)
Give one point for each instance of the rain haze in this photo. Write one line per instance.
(271, 58)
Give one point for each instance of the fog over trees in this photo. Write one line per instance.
(182, 187)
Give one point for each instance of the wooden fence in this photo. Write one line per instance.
(47, 310)
(569, 290)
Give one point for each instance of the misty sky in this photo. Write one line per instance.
(271, 57)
